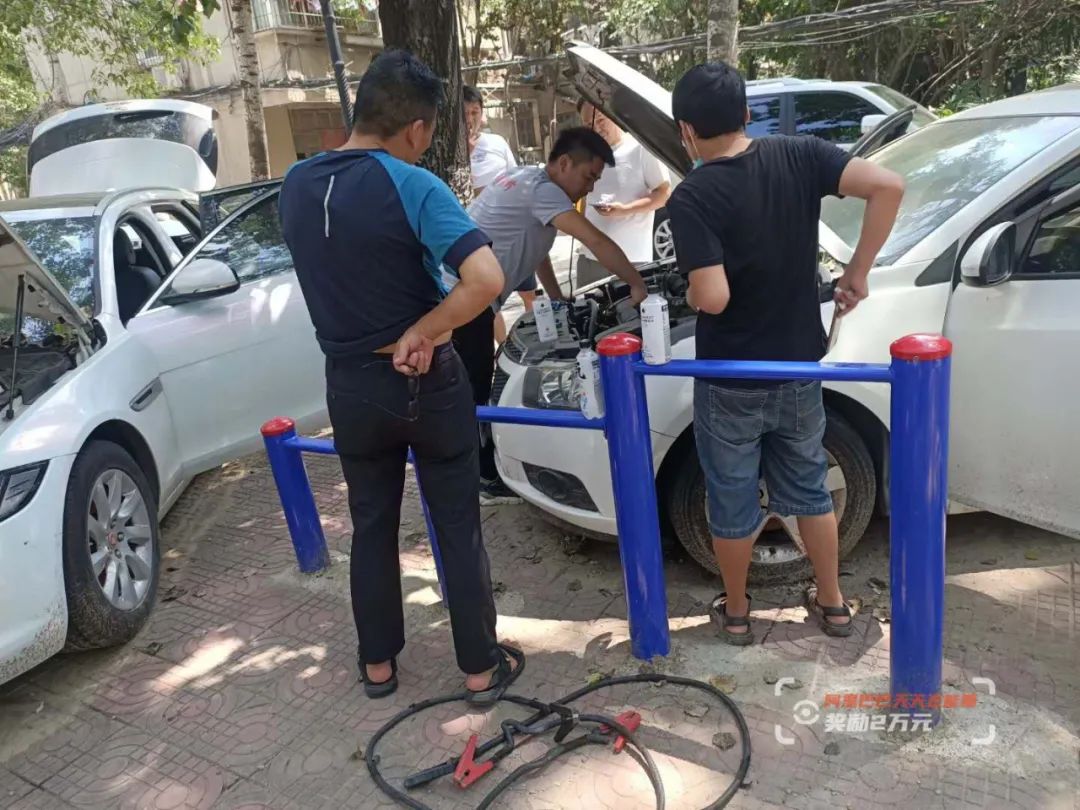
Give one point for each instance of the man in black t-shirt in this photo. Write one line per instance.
(745, 223)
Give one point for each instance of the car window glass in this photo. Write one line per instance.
(1056, 247)
(764, 116)
(65, 247)
(252, 244)
(182, 234)
(946, 166)
(835, 117)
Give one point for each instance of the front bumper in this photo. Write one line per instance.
(562, 471)
(33, 609)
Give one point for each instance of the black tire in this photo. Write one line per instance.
(686, 505)
(92, 620)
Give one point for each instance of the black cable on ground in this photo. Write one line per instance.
(543, 710)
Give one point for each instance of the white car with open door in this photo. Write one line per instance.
(1009, 306)
(135, 352)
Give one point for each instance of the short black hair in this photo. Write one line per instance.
(396, 90)
(470, 95)
(711, 98)
(581, 143)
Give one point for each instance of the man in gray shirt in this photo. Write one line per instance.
(521, 212)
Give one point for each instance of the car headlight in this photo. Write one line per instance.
(17, 487)
(553, 387)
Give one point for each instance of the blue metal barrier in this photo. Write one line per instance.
(919, 375)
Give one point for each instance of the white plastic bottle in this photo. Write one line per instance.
(545, 320)
(655, 330)
(588, 377)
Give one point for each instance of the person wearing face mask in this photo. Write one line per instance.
(623, 203)
(522, 211)
(745, 224)
(370, 234)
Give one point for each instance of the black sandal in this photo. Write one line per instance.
(501, 679)
(383, 688)
(719, 616)
(821, 614)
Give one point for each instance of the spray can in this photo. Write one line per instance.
(655, 330)
(545, 320)
(591, 396)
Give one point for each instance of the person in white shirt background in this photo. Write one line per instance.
(490, 155)
(623, 203)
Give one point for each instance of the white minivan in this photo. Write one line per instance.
(1008, 301)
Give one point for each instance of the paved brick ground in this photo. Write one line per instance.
(241, 692)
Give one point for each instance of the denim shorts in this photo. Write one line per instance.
(745, 433)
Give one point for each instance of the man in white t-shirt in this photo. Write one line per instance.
(623, 203)
(490, 156)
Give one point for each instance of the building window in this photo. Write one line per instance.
(526, 124)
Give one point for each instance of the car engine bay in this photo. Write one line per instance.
(38, 363)
(599, 310)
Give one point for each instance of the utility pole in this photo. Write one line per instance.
(334, 45)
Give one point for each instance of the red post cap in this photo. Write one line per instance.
(619, 345)
(278, 426)
(921, 347)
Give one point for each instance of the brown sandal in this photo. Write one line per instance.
(821, 614)
(719, 616)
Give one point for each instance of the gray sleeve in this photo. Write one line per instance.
(549, 201)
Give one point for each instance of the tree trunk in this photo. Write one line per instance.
(243, 41)
(721, 38)
(429, 29)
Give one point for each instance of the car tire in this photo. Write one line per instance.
(106, 482)
(686, 506)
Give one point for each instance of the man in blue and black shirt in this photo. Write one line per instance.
(371, 237)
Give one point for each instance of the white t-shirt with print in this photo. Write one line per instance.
(635, 174)
(490, 157)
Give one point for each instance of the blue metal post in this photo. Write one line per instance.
(634, 484)
(430, 529)
(297, 500)
(919, 495)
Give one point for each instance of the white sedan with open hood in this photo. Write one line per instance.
(986, 250)
(135, 352)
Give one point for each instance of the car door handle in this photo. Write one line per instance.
(146, 396)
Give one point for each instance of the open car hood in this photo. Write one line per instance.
(636, 103)
(45, 299)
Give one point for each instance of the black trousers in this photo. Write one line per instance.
(377, 414)
(475, 342)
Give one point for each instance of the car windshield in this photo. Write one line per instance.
(946, 166)
(898, 100)
(65, 247)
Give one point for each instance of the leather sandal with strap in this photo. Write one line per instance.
(719, 616)
(822, 614)
(383, 688)
(501, 678)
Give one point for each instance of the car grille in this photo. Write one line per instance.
(498, 384)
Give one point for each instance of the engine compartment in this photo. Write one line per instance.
(43, 357)
(599, 310)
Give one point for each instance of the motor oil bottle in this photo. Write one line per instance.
(655, 330)
(591, 395)
(546, 330)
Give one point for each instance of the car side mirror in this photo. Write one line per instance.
(870, 122)
(203, 278)
(989, 260)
